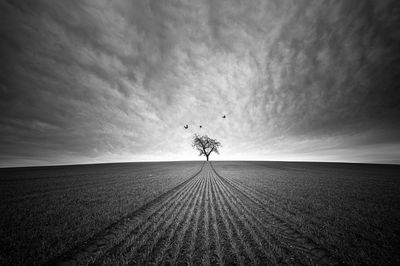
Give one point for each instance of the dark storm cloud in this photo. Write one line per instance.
(85, 81)
(58, 86)
(337, 66)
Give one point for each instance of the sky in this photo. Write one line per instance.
(110, 81)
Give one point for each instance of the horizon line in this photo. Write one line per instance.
(166, 161)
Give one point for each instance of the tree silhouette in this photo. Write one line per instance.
(205, 145)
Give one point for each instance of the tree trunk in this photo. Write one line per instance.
(207, 158)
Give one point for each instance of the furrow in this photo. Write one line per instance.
(94, 248)
(272, 252)
(207, 257)
(160, 247)
(187, 250)
(215, 239)
(200, 251)
(160, 236)
(61, 188)
(274, 226)
(243, 236)
(269, 197)
(183, 233)
(229, 242)
(307, 250)
(172, 244)
(194, 253)
(137, 238)
(272, 246)
(250, 230)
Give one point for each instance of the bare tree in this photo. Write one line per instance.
(205, 145)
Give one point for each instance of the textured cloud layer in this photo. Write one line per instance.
(99, 81)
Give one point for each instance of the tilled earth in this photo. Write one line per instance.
(208, 219)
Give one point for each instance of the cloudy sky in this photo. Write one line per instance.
(106, 81)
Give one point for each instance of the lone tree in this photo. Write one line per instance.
(205, 145)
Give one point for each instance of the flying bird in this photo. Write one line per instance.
(186, 126)
(201, 126)
(224, 116)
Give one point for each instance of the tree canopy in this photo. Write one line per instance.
(205, 145)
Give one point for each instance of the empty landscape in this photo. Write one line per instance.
(258, 213)
(217, 132)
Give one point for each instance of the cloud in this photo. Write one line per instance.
(85, 81)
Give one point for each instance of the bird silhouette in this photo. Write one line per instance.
(224, 116)
(186, 126)
(201, 126)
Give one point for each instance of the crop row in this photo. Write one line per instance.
(207, 220)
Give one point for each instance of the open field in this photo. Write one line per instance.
(48, 210)
(352, 210)
(189, 213)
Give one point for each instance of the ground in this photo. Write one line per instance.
(242, 213)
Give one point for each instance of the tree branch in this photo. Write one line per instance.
(205, 145)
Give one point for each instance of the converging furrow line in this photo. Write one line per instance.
(206, 220)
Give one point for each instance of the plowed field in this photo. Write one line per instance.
(195, 213)
(204, 220)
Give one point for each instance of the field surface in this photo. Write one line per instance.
(48, 210)
(264, 213)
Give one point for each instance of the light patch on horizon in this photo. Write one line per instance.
(107, 81)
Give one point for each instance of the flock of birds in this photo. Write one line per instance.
(200, 126)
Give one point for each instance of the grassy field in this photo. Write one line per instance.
(188, 213)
